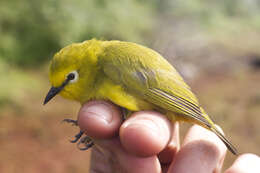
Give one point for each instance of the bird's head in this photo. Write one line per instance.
(73, 70)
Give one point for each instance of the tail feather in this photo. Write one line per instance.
(225, 140)
(214, 129)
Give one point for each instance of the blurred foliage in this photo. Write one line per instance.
(32, 30)
(16, 85)
(235, 24)
(214, 12)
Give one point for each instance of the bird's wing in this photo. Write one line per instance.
(147, 74)
(177, 104)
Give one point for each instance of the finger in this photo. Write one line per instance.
(246, 163)
(202, 151)
(167, 155)
(145, 133)
(99, 119)
(109, 156)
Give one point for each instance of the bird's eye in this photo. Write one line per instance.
(72, 76)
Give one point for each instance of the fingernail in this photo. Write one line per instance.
(146, 124)
(101, 111)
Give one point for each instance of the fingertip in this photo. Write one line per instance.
(245, 163)
(201, 150)
(145, 133)
(198, 133)
(99, 119)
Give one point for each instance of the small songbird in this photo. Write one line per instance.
(130, 75)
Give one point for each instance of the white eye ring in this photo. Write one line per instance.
(73, 76)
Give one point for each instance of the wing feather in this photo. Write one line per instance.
(145, 73)
(174, 102)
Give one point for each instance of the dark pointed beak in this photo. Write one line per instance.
(52, 92)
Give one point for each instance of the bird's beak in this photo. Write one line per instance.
(54, 91)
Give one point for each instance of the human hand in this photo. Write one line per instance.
(148, 142)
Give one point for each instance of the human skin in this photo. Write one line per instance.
(148, 142)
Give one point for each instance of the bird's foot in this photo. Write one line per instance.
(71, 121)
(77, 137)
(125, 113)
(86, 141)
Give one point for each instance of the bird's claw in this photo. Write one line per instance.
(86, 141)
(77, 137)
(71, 121)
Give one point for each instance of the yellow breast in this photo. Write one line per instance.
(118, 95)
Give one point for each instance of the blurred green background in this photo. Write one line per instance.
(214, 44)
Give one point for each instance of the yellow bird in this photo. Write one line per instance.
(129, 75)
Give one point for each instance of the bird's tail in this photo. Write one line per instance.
(228, 144)
(215, 129)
